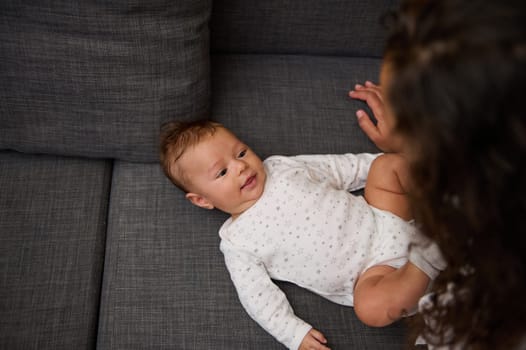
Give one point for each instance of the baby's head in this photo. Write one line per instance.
(176, 138)
(213, 167)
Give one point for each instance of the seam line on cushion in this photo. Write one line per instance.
(103, 254)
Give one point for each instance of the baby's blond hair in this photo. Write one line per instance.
(176, 138)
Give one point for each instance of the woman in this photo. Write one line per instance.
(453, 93)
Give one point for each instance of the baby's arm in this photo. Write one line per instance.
(343, 171)
(262, 299)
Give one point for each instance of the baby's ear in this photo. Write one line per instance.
(199, 200)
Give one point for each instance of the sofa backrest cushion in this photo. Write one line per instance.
(329, 27)
(97, 78)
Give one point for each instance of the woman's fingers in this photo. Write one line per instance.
(368, 126)
(375, 88)
(373, 101)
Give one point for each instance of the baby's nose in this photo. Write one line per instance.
(241, 165)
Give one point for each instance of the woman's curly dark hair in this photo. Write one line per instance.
(458, 90)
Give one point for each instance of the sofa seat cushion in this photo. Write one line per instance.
(166, 285)
(52, 235)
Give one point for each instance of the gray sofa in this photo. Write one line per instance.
(97, 248)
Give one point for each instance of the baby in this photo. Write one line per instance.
(293, 219)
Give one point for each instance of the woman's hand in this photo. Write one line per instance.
(314, 340)
(382, 134)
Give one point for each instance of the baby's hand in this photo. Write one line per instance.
(382, 133)
(314, 340)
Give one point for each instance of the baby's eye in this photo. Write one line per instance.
(242, 153)
(221, 173)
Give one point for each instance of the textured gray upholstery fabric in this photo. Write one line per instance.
(52, 235)
(98, 78)
(108, 254)
(166, 286)
(163, 269)
(329, 27)
(289, 104)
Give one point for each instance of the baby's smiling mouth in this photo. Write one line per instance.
(250, 181)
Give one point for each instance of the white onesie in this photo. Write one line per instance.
(309, 230)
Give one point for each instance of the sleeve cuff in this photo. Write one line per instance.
(300, 333)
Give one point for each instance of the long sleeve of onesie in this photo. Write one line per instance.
(262, 299)
(344, 171)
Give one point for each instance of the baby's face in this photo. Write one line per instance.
(223, 173)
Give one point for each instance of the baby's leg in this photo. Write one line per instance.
(387, 184)
(383, 294)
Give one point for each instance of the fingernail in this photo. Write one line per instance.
(358, 86)
(359, 114)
